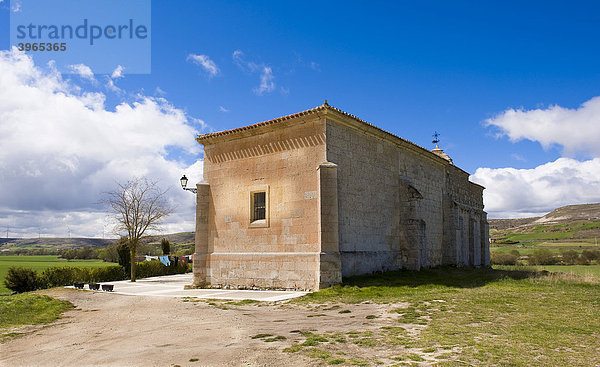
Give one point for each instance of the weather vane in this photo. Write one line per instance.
(436, 137)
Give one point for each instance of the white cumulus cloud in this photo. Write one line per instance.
(83, 71)
(205, 62)
(514, 192)
(110, 85)
(576, 130)
(62, 148)
(117, 73)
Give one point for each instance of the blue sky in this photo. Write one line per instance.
(411, 68)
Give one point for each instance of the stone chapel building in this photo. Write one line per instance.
(300, 201)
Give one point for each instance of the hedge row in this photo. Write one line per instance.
(153, 268)
(19, 279)
(547, 257)
(501, 258)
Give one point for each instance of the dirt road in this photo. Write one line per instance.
(117, 330)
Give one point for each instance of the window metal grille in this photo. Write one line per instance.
(259, 208)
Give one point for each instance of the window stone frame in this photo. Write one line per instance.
(261, 223)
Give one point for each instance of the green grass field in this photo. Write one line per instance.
(585, 270)
(472, 317)
(39, 263)
(556, 247)
(28, 309)
(539, 236)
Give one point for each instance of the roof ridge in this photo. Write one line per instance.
(324, 106)
(263, 123)
(376, 127)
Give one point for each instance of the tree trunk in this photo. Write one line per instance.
(133, 251)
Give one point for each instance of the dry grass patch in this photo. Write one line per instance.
(474, 316)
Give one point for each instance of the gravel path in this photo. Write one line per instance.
(108, 329)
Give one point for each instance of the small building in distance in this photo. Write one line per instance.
(300, 201)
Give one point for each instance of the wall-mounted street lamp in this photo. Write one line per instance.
(184, 182)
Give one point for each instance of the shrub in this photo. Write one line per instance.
(506, 242)
(542, 257)
(85, 253)
(68, 254)
(19, 279)
(515, 253)
(67, 275)
(503, 259)
(124, 254)
(590, 255)
(64, 275)
(569, 257)
(109, 253)
(166, 246)
(146, 269)
(108, 273)
(582, 261)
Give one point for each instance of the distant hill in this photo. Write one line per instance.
(57, 243)
(10, 244)
(570, 213)
(562, 215)
(567, 224)
(181, 237)
(501, 224)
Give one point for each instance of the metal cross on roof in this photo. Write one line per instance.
(436, 137)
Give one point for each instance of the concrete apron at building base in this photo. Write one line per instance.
(173, 286)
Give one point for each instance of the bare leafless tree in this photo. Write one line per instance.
(137, 206)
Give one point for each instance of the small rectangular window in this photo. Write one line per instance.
(259, 206)
(258, 212)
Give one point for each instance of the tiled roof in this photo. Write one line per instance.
(263, 123)
(323, 107)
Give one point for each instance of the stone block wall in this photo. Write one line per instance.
(400, 206)
(464, 220)
(367, 198)
(424, 174)
(342, 198)
(330, 270)
(284, 252)
(201, 255)
(390, 201)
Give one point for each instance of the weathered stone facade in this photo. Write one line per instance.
(342, 197)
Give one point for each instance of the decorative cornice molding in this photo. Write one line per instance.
(327, 111)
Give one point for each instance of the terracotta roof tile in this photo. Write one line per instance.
(263, 123)
(324, 106)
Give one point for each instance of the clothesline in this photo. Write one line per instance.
(166, 259)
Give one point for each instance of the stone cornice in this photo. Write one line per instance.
(329, 112)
